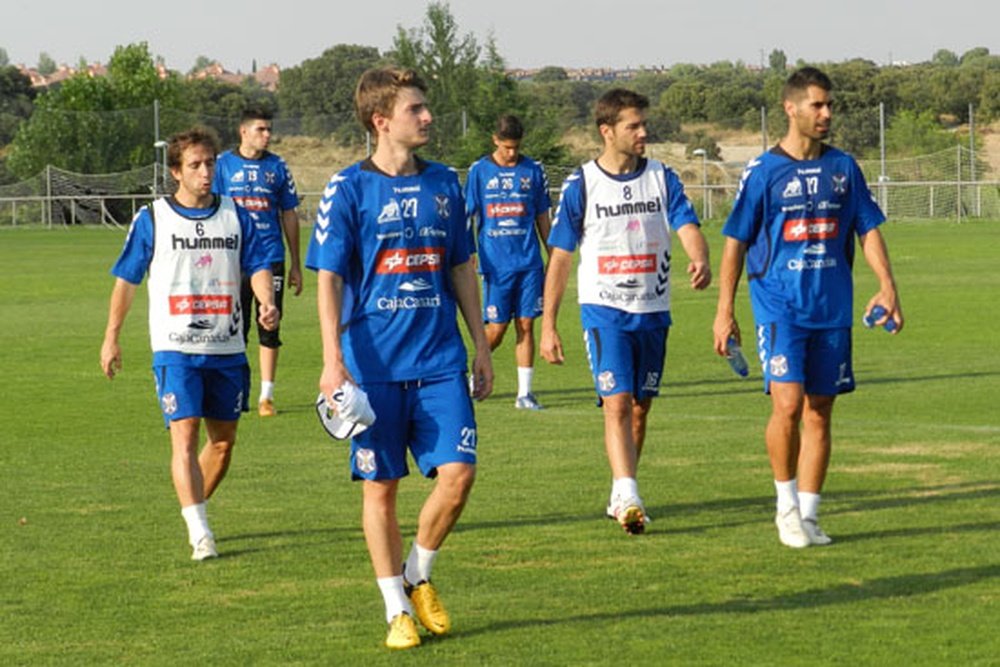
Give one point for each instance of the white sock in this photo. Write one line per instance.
(788, 495)
(419, 564)
(625, 487)
(394, 597)
(197, 522)
(524, 376)
(266, 391)
(809, 505)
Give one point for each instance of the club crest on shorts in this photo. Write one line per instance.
(606, 381)
(492, 312)
(364, 460)
(779, 366)
(169, 403)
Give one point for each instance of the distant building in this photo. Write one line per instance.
(268, 77)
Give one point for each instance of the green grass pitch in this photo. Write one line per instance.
(94, 563)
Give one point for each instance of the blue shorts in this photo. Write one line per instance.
(212, 393)
(626, 361)
(513, 294)
(433, 420)
(819, 359)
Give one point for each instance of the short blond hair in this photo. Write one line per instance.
(378, 89)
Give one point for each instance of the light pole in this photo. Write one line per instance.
(706, 202)
(160, 180)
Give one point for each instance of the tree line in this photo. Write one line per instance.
(104, 124)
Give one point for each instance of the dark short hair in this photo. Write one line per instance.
(509, 127)
(195, 136)
(611, 103)
(255, 113)
(801, 79)
(377, 91)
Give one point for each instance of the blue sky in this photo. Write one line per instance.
(529, 33)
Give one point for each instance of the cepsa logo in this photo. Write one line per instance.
(505, 210)
(201, 304)
(610, 264)
(811, 229)
(254, 203)
(409, 260)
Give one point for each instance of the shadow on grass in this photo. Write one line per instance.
(735, 512)
(896, 587)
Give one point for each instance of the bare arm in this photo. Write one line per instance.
(696, 248)
(262, 284)
(290, 225)
(122, 295)
(556, 277)
(463, 277)
(330, 305)
(877, 256)
(543, 222)
(730, 268)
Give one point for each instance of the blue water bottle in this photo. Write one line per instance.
(734, 355)
(874, 315)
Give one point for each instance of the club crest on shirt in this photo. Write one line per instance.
(443, 205)
(839, 183)
(525, 183)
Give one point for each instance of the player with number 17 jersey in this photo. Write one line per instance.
(394, 241)
(799, 219)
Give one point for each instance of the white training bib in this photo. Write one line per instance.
(194, 281)
(625, 245)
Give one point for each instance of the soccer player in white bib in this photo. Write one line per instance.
(261, 182)
(620, 210)
(799, 208)
(194, 246)
(390, 246)
(507, 197)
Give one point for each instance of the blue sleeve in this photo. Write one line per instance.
(137, 253)
(332, 242)
(462, 246)
(253, 255)
(543, 202)
(219, 178)
(680, 212)
(472, 206)
(748, 206)
(288, 196)
(869, 215)
(567, 225)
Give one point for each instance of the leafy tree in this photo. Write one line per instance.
(777, 62)
(320, 91)
(16, 101)
(913, 133)
(945, 58)
(550, 74)
(685, 100)
(974, 54)
(46, 65)
(95, 125)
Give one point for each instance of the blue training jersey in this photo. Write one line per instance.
(504, 202)
(567, 233)
(137, 253)
(394, 241)
(799, 219)
(263, 187)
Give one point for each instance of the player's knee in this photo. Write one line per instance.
(457, 480)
